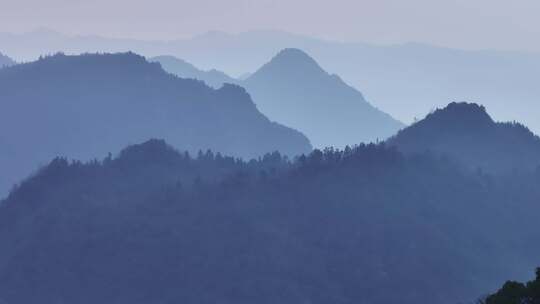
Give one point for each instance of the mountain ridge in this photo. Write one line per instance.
(421, 76)
(85, 105)
(466, 131)
(293, 89)
(184, 69)
(339, 226)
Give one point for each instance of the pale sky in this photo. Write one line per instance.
(469, 24)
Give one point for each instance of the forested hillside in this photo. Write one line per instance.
(362, 225)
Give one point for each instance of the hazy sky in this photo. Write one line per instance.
(500, 24)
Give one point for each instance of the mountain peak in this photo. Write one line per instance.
(466, 132)
(152, 150)
(293, 89)
(122, 98)
(461, 114)
(293, 52)
(291, 60)
(294, 56)
(289, 65)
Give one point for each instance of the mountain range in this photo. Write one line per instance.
(84, 106)
(366, 224)
(294, 90)
(403, 80)
(467, 133)
(215, 195)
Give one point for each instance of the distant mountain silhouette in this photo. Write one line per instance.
(361, 225)
(213, 78)
(5, 61)
(465, 131)
(403, 80)
(84, 106)
(294, 90)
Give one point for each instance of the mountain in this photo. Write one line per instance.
(363, 225)
(403, 80)
(294, 90)
(466, 132)
(85, 106)
(5, 61)
(213, 78)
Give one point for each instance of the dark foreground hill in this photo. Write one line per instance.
(466, 132)
(363, 225)
(84, 106)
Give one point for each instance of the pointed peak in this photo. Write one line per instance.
(293, 52)
(290, 61)
(293, 55)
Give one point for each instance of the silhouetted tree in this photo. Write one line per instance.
(517, 293)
